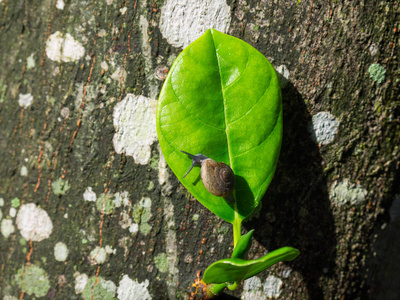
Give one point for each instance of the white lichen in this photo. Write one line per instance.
(324, 128)
(13, 212)
(121, 198)
(125, 220)
(80, 282)
(252, 289)
(30, 61)
(7, 227)
(34, 223)
(345, 192)
(60, 4)
(129, 289)
(65, 112)
(89, 195)
(25, 100)
(183, 21)
(24, 171)
(283, 75)
(60, 251)
(272, 286)
(60, 47)
(135, 126)
(98, 256)
(134, 228)
(104, 66)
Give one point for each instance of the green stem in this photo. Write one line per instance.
(233, 286)
(237, 230)
(237, 223)
(215, 289)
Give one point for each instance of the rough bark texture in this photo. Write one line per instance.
(331, 200)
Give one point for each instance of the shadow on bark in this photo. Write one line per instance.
(296, 208)
(383, 262)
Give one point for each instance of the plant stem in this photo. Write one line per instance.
(233, 286)
(237, 230)
(215, 289)
(237, 224)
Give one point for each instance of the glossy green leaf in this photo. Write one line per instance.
(236, 270)
(243, 245)
(222, 98)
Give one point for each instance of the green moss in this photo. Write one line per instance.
(33, 280)
(22, 241)
(161, 261)
(154, 162)
(145, 228)
(151, 186)
(15, 202)
(60, 186)
(377, 72)
(105, 203)
(137, 213)
(223, 229)
(141, 214)
(102, 289)
(3, 88)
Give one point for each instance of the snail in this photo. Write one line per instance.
(218, 178)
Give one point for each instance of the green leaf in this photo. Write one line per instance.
(236, 270)
(222, 99)
(243, 245)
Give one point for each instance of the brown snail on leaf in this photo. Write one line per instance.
(218, 178)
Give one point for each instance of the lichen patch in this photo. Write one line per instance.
(99, 288)
(60, 47)
(346, 192)
(33, 280)
(60, 251)
(34, 223)
(272, 287)
(60, 186)
(129, 289)
(7, 228)
(89, 195)
(24, 171)
(283, 75)
(252, 289)
(162, 263)
(135, 126)
(324, 127)
(80, 282)
(25, 100)
(377, 72)
(182, 22)
(60, 4)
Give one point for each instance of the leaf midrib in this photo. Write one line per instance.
(223, 99)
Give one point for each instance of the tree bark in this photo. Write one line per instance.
(88, 207)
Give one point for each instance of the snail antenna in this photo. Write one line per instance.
(196, 160)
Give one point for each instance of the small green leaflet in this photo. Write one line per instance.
(236, 270)
(222, 99)
(243, 245)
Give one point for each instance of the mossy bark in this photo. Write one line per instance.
(64, 142)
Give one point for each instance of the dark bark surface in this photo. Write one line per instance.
(62, 143)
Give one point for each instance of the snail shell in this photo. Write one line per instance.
(218, 178)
